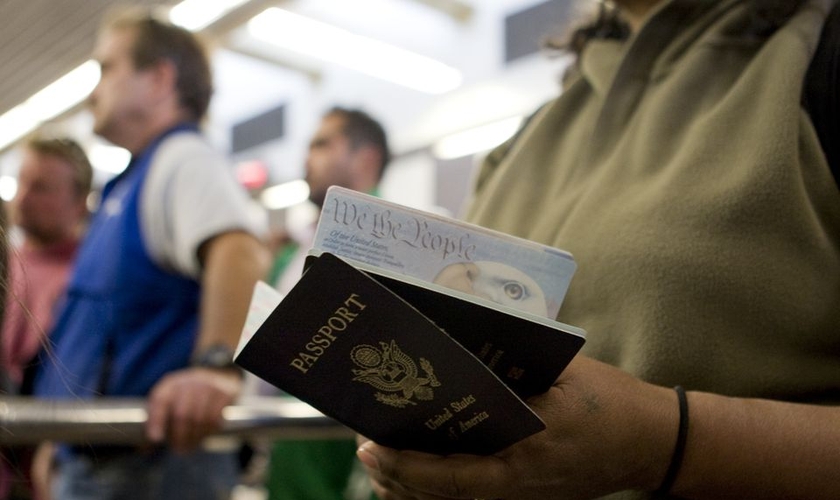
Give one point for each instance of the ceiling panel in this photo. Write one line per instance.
(41, 40)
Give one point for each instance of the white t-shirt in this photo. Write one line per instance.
(189, 196)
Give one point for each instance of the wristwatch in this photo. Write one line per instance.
(218, 356)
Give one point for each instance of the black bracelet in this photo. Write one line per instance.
(679, 448)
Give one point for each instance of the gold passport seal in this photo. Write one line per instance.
(393, 372)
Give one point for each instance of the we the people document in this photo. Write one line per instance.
(510, 271)
(409, 363)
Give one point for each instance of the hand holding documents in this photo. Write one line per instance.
(404, 361)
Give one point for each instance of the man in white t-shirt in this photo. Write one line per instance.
(349, 149)
(161, 286)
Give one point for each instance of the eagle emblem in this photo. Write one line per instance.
(394, 373)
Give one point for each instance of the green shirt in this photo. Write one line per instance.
(311, 469)
(681, 171)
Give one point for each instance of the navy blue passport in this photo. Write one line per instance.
(359, 353)
(527, 352)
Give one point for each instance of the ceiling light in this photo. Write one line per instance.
(474, 140)
(75, 86)
(196, 15)
(111, 159)
(14, 124)
(64, 93)
(285, 195)
(8, 187)
(49, 102)
(372, 57)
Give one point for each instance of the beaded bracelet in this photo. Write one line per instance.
(679, 448)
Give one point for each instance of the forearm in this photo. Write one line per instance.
(608, 431)
(233, 263)
(750, 448)
(186, 406)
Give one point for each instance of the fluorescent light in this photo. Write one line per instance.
(8, 187)
(285, 195)
(16, 123)
(75, 86)
(476, 139)
(111, 159)
(373, 57)
(49, 102)
(64, 93)
(195, 15)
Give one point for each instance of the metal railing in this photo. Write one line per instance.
(25, 420)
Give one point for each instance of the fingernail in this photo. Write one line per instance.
(367, 458)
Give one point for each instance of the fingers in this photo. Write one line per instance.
(194, 415)
(384, 486)
(158, 412)
(386, 489)
(402, 475)
(397, 492)
(186, 406)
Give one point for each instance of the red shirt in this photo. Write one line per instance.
(38, 278)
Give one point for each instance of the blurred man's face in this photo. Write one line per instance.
(330, 159)
(46, 206)
(122, 94)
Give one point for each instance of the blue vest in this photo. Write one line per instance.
(126, 322)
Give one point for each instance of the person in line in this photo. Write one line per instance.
(161, 285)
(681, 169)
(49, 212)
(349, 149)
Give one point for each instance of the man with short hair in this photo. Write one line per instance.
(162, 282)
(349, 149)
(48, 211)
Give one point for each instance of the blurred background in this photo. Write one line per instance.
(449, 79)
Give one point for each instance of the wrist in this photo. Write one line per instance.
(679, 446)
(216, 357)
(655, 438)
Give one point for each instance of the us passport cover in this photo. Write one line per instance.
(359, 353)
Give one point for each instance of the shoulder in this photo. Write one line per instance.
(186, 148)
(495, 157)
(186, 162)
